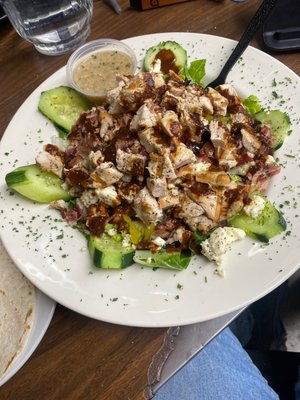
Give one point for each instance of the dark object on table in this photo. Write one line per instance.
(148, 4)
(281, 31)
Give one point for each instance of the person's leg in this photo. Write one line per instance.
(222, 370)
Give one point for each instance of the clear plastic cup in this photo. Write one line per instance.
(99, 62)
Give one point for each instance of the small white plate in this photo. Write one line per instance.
(43, 312)
(54, 257)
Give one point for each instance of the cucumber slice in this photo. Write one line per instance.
(108, 253)
(172, 55)
(266, 225)
(37, 185)
(61, 132)
(279, 123)
(163, 259)
(62, 105)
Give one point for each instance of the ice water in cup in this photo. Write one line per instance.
(53, 27)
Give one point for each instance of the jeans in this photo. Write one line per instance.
(222, 370)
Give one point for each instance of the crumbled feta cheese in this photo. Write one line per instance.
(270, 160)
(112, 231)
(126, 242)
(255, 207)
(220, 271)
(88, 197)
(217, 245)
(160, 242)
(200, 167)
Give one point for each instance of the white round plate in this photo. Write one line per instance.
(54, 256)
(43, 314)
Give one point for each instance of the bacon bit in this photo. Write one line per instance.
(117, 216)
(54, 150)
(97, 217)
(75, 177)
(266, 136)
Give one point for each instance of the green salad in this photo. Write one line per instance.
(164, 170)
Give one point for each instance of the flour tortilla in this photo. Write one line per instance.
(17, 309)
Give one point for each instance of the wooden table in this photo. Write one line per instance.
(80, 358)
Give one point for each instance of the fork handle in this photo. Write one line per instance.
(256, 22)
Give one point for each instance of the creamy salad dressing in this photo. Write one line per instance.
(97, 72)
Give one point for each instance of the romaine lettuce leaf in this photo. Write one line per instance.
(163, 259)
(196, 71)
(252, 105)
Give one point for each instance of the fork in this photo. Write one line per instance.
(256, 22)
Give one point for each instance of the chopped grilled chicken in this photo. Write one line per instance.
(95, 158)
(138, 89)
(182, 155)
(235, 103)
(175, 85)
(130, 163)
(193, 123)
(128, 191)
(213, 178)
(195, 104)
(219, 102)
(109, 196)
(106, 174)
(108, 125)
(170, 123)
(159, 82)
(227, 90)
(235, 207)
(210, 201)
(112, 99)
(170, 199)
(159, 166)
(205, 224)
(250, 141)
(145, 117)
(198, 167)
(169, 100)
(147, 208)
(189, 211)
(153, 142)
(225, 150)
(228, 157)
(157, 186)
(218, 136)
(240, 118)
(50, 163)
